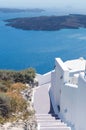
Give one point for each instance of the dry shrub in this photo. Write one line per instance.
(12, 104)
(18, 103)
(18, 87)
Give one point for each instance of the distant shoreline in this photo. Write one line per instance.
(15, 10)
(48, 23)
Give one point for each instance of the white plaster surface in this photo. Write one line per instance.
(68, 90)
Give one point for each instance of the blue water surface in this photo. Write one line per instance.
(20, 49)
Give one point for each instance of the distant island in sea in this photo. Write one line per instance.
(14, 10)
(48, 23)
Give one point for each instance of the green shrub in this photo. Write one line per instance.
(3, 87)
(18, 77)
(24, 76)
(28, 75)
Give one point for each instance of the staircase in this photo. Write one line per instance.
(48, 122)
(42, 105)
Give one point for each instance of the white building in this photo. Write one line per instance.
(68, 92)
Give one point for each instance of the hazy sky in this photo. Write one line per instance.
(43, 3)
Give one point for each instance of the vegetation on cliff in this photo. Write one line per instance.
(13, 104)
(24, 76)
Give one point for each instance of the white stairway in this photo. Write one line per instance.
(48, 122)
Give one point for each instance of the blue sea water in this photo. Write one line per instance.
(22, 49)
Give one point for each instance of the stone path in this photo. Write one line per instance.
(41, 100)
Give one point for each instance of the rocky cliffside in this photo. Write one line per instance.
(23, 124)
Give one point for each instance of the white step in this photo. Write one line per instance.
(51, 120)
(48, 122)
(45, 115)
(53, 125)
(55, 128)
(54, 122)
(47, 118)
(42, 114)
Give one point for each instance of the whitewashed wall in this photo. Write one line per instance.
(58, 78)
(52, 92)
(72, 100)
(45, 78)
(73, 105)
(81, 104)
(68, 105)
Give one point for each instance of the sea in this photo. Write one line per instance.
(20, 49)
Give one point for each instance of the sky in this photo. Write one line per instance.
(78, 4)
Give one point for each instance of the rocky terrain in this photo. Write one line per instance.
(28, 124)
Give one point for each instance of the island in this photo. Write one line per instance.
(15, 10)
(48, 23)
